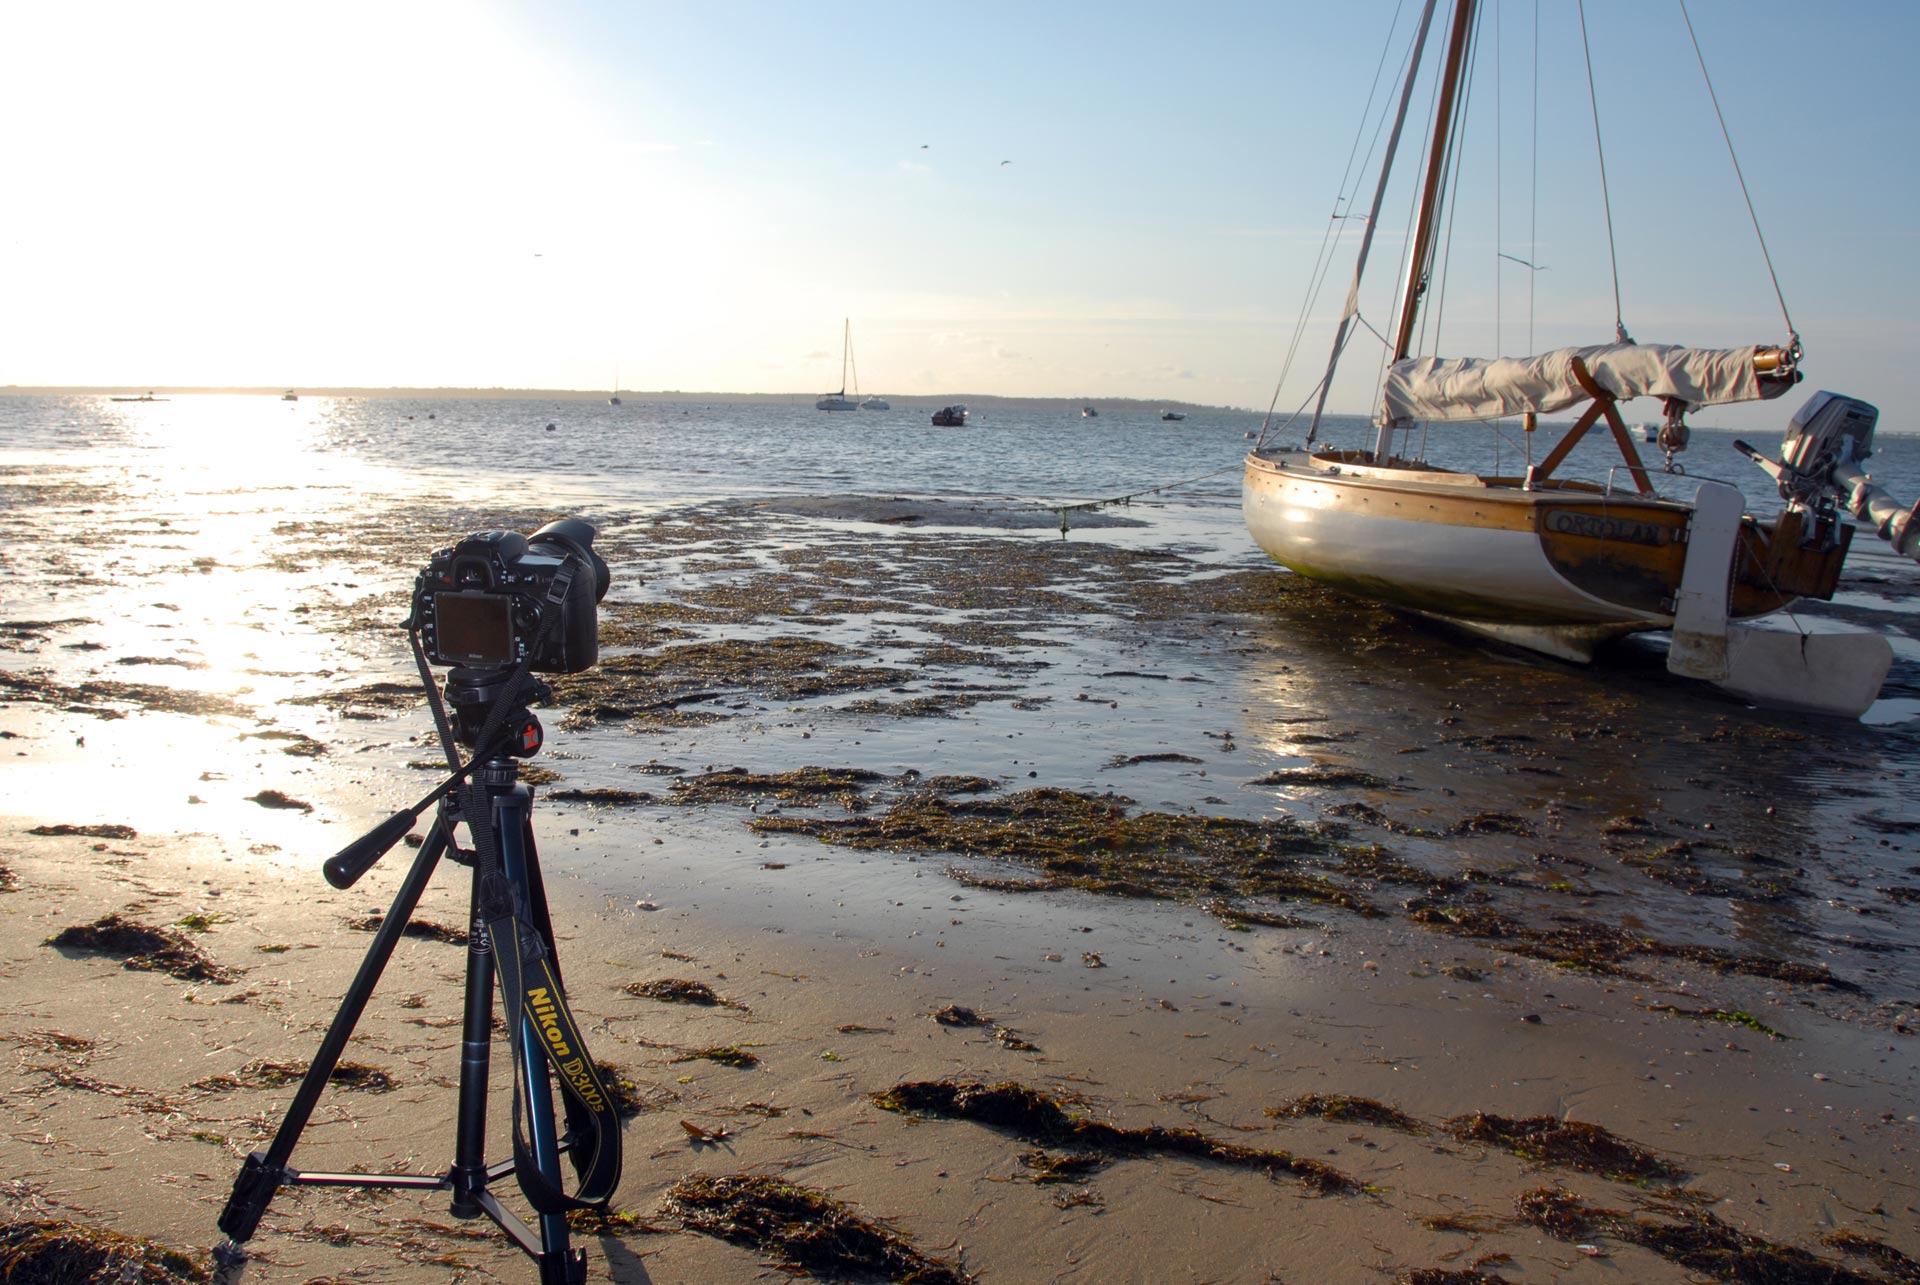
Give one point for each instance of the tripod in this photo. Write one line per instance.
(497, 796)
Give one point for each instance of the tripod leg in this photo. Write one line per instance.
(513, 829)
(262, 1174)
(476, 1046)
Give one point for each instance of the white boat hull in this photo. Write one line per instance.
(1441, 544)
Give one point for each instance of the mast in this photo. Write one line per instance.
(846, 346)
(1427, 222)
(1352, 309)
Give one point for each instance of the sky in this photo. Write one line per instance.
(1068, 200)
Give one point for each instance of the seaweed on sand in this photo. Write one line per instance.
(1852, 1243)
(63, 830)
(1031, 1115)
(1693, 1238)
(425, 929)
(143, 948)
(102, 697)
(1570, 1144)
(678, 990)
(723, 1054)
(1605, 949)
(48, 1251)
(264, 1074)
(1346, 1110)
(803, 1228)
(1449, 1276)
(802, 787)
(1082, 841)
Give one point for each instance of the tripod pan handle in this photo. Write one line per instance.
(344, 868)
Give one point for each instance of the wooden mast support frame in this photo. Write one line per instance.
(1604, 405)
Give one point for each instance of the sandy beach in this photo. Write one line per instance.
(1100, 908)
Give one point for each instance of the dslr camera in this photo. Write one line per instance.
(499, 598)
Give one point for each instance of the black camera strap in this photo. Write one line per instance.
(531, 988)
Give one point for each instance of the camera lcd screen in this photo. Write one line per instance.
(474, 627)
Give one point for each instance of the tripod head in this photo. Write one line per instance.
(473, 693)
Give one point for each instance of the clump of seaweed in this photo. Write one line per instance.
(803, 1228)
(1731, 1016)
(1449, 1276)
(959, 1015)
(724, 1054)
(280, 800)
(426, 929)
(1890, 1260)
(1092, 843)
(601, 798)
(1346, 1110)
(598, 1220)
(263, 1074)
(802, 787)
(1691, 1237)
(63, 830)
(48, 1251)
(627, 1101)
(679, 990)
(1031, 1115)
(142, 948)
(1324, 776)
(1048, 1167)
(1568, 1144)
(1604, 949)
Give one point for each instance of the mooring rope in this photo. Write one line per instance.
(1088, 506)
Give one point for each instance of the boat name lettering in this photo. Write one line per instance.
(1597, 526)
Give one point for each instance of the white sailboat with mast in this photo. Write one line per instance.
(1558, 564)
(840, 400)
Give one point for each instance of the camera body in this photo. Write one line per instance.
(499, 598)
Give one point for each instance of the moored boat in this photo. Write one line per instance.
(840, 400)
(1559, 564)
(950, 416)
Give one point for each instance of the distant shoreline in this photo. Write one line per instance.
(594, 395)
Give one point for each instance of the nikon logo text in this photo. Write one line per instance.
(547, 1018)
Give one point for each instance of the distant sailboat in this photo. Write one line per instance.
(614, 398)
(839, 400)
(145, 397)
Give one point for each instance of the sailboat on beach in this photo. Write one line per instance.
(840, 400)
(1560, 564)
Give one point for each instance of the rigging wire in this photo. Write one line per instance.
(1406, 238)
(1593, 96)
(1793, 334)
(1323, 262)
(1499, 184)
(1533, 196)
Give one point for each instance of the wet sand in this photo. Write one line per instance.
(1216, 859)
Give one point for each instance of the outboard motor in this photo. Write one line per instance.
(1820, 465)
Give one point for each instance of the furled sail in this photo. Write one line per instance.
(1463, 388)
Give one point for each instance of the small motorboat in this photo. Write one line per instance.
(144, 397)
(289, 396)
(950, 417)
(1173, 416)
(1088, 412)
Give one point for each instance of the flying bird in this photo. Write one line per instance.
(1006, 162)
(923, 147)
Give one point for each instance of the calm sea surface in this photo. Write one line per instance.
(669, 451)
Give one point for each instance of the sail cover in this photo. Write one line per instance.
(1462, 388)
